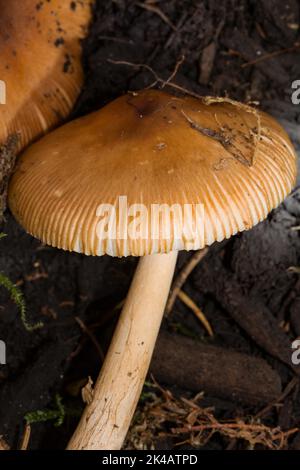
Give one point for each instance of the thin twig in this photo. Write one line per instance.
(277, 433)
(3, 444)
(26, 437)
(270, 55)
(217, 425)
(104, 319)
(174, 73)
(290, 386)
(264, 411)
(207, 100)
(158, 79)
(186, 417)
(182, 277)
(294, 269)
(92, 337)
(196, 310)
(157, 11)
(179, 27)
(138, 66)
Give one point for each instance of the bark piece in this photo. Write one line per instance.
(224, 373)
(251, 314)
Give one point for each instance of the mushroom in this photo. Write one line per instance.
(40, 64)
(229, 164)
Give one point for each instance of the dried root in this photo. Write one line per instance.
(186, 422)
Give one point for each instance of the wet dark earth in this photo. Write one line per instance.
(247, 287)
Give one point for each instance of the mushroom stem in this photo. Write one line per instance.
(105, 422)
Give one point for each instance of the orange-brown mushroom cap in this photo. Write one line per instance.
(40, 64)
(152, 149)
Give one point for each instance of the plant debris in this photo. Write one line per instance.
(130, 47)
(191, 423)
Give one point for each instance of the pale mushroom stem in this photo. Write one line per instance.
(105, 422)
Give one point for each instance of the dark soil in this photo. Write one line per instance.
(243, 286)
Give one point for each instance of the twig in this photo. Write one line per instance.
(270, 55)
(207, 100)
(288, 389)
(92, 337)
(158, 11)
(179, 27)
(107, 318)
(3, 444)
(196, 425)
(182, 277)
(250, 313)
(290, 386)
(216, 425)
(242, 430)
(137, 65)
(207, 62)
(174, 73)
(294, 269)
(26, 437)
(209, 54)
(104, 319)
(158, 79)
(199, 314)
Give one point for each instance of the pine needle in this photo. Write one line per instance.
(196, 310)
